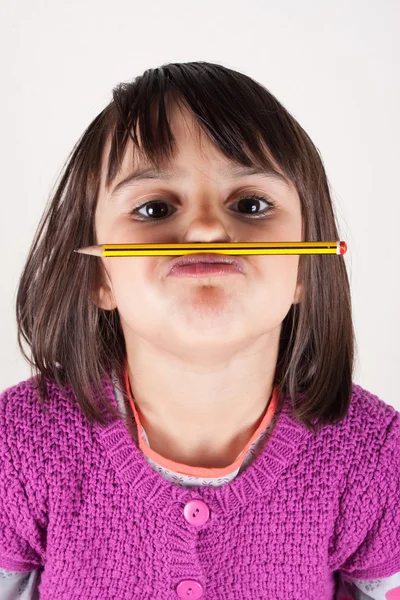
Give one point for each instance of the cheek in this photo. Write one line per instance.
(112, 228)
(280, 269)
(134, 283)
(126, 275)
(279, 278)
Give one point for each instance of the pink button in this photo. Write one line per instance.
(189, 588)
(196, 512)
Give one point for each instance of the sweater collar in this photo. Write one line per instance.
(198, 472)
(133, 469)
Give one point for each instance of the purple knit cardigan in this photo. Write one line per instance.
(82, 503)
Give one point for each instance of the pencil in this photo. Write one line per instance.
(215, 248)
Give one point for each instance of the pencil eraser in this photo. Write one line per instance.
(343, 247)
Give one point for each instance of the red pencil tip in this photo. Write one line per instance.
(343, 247)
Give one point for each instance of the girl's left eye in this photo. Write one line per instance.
(247, 202)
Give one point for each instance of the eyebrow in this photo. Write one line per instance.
(154, 173)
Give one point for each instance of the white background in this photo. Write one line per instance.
(334, 65)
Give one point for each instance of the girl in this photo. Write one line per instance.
(193, 437)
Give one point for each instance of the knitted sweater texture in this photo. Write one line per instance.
(83, 503)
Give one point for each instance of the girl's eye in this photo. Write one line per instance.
(247, 203)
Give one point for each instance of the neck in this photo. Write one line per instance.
(199, 428)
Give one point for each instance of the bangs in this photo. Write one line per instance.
(249, 138)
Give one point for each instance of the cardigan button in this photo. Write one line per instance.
(189, 588)
(196, 512)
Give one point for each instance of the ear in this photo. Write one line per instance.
(298, 296)
(104, 297)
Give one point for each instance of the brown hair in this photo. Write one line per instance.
(75, 343)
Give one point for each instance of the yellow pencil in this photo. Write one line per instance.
(217, 248)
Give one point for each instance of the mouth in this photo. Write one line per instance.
(206, 259)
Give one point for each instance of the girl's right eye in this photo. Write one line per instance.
(152, 207)
(160, 214)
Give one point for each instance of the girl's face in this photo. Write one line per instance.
(198, 203)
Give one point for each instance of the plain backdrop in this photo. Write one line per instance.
(333, 64)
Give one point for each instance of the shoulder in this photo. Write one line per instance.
(369, 434)
(24, 398)
(22, 402)
(372, 418)
(25, 392)
(363, 400)
(367, 524)
(364, 442)
(365, 446)
(32, 430)
(368, 419)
